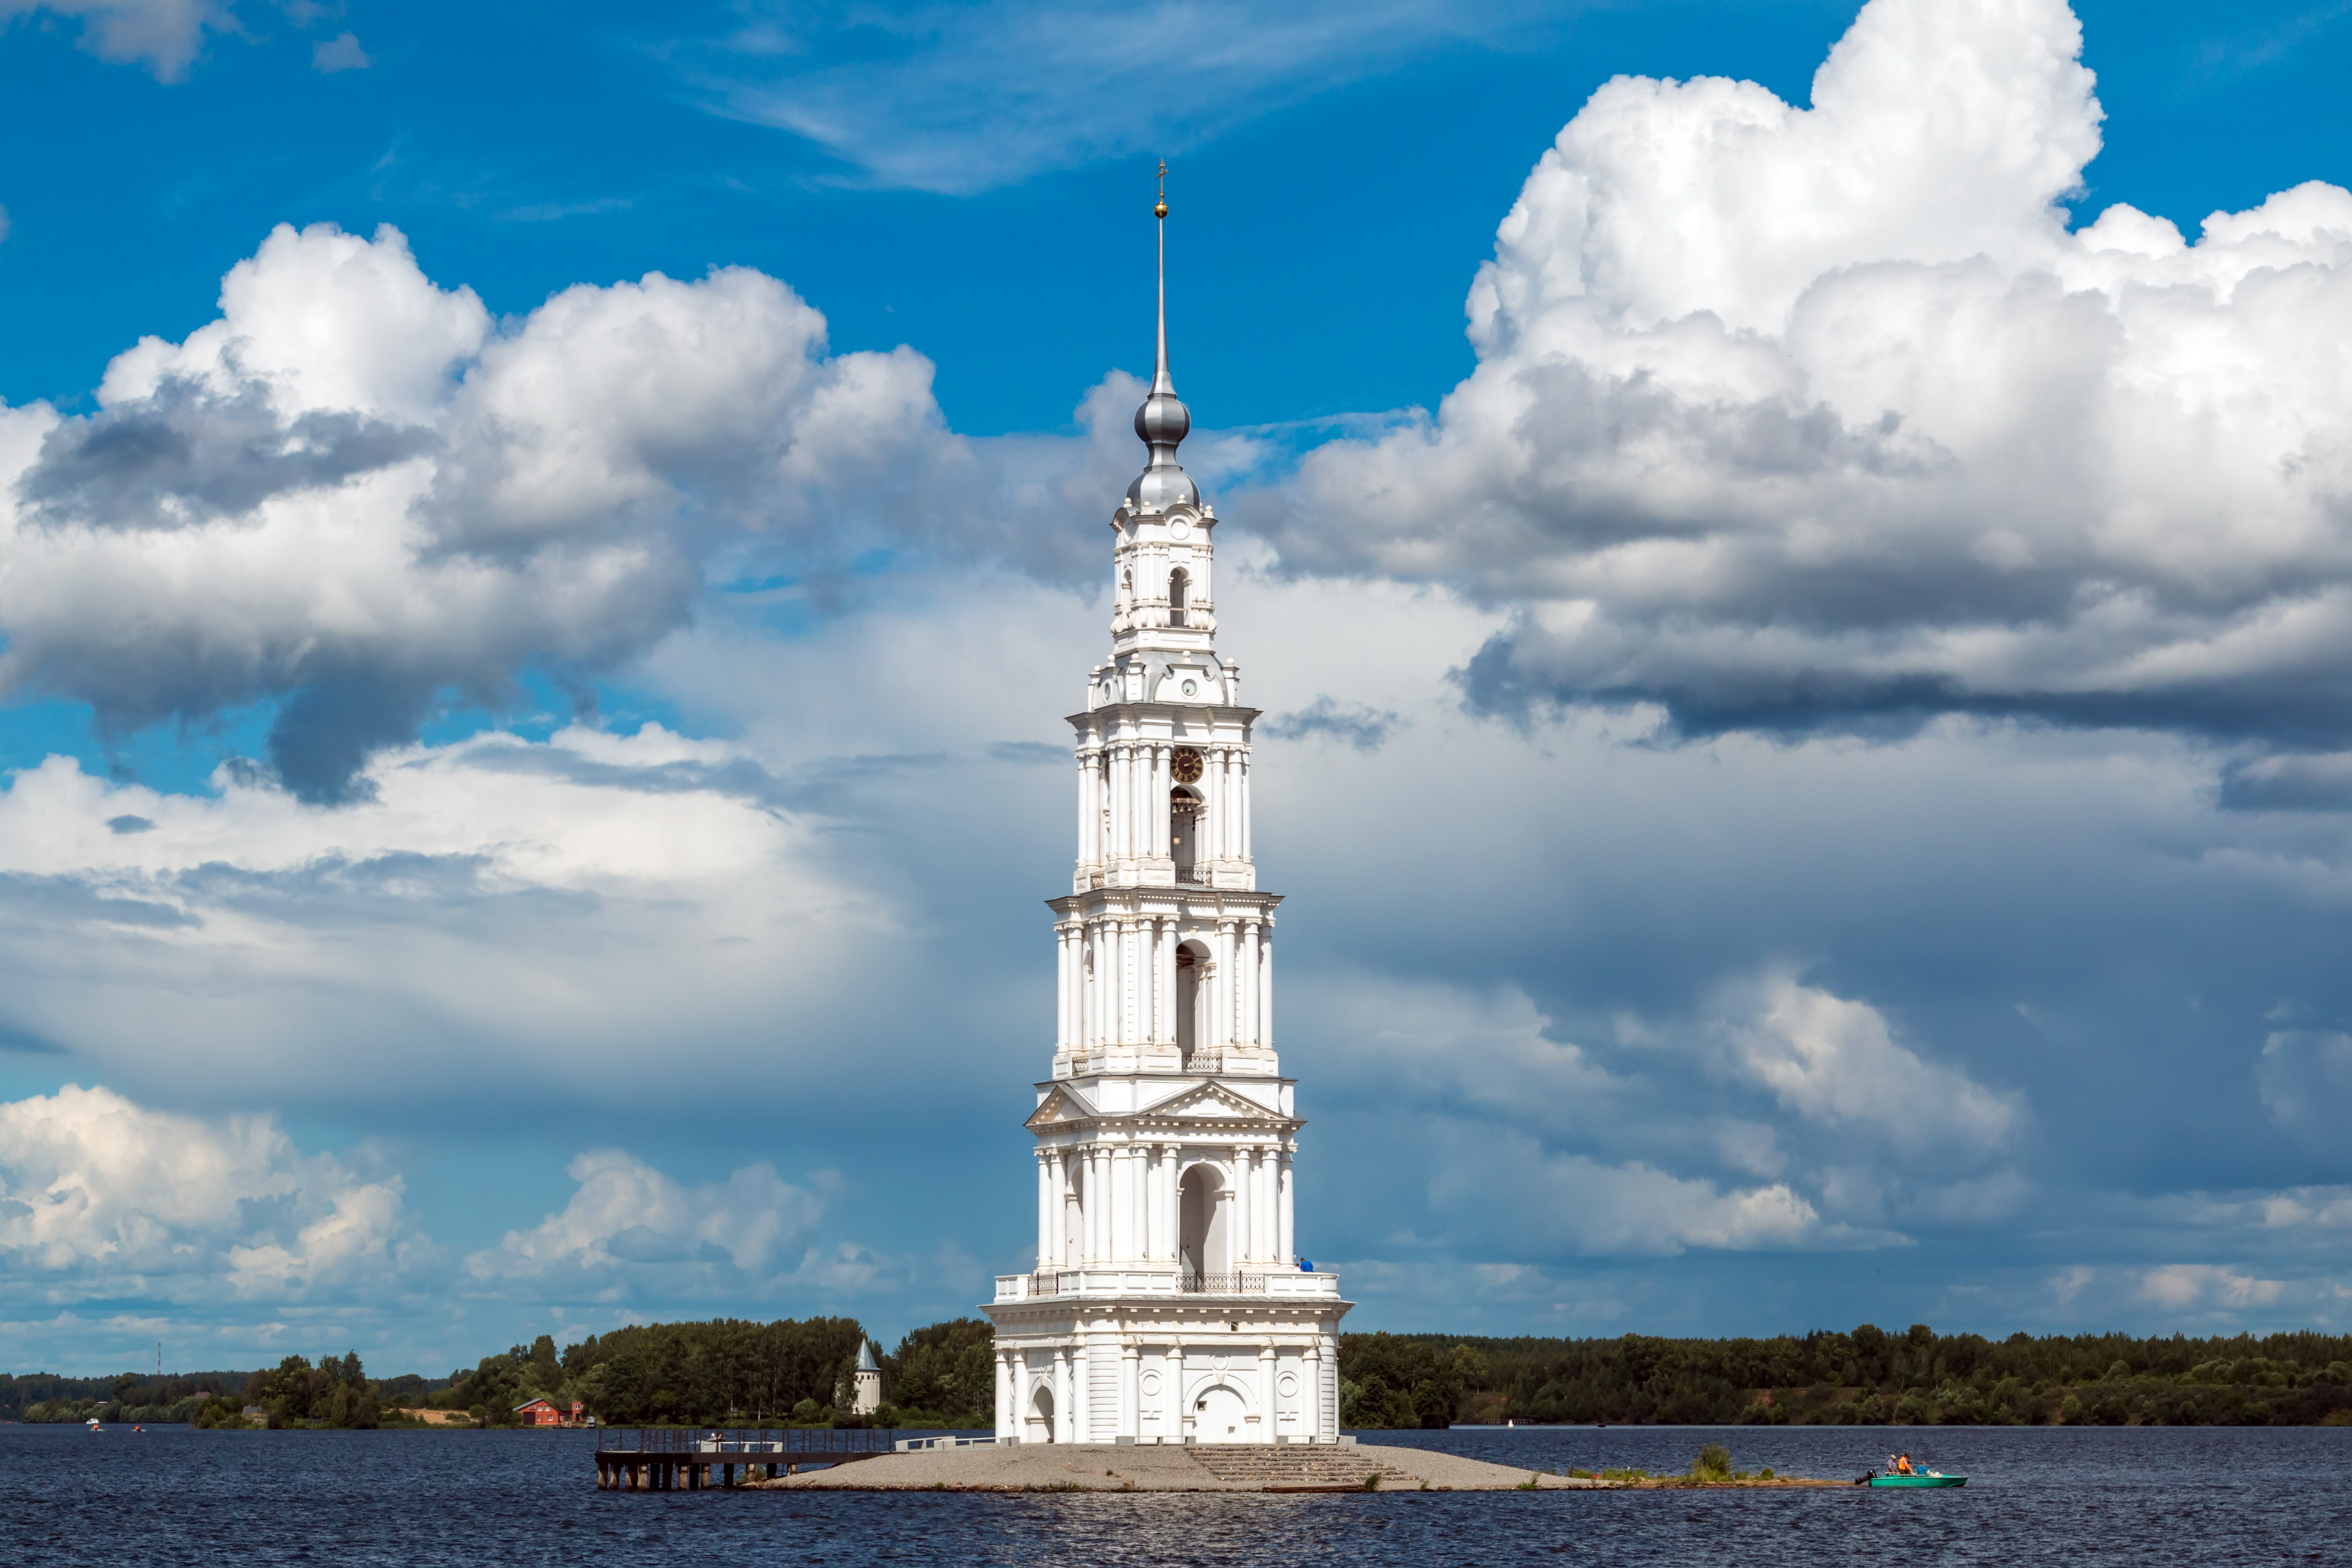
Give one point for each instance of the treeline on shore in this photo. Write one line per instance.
(1869, 1376)
(727, 1371)
(799, 1372)
(336, 1393)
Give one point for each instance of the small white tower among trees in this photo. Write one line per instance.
(1169, 1303)
(866, 1382)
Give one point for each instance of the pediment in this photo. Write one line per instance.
(1212, 1102)
(1061, 1107)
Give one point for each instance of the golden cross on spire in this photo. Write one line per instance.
(1161, 209)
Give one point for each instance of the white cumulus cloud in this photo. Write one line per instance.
(1838, 1061)
(100, 1197)
(2184, 1287)
(1797, 416)
(356, 495)
(626, 1212)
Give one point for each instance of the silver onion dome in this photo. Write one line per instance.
(1163, 420)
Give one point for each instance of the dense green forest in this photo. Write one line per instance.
(798, 1372)
(128, 1396)
(1867, 1376)
(780, 1374)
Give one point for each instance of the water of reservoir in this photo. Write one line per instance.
(2201, 1496)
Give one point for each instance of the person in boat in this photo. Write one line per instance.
(1903, 1465)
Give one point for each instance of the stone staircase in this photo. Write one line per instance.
(1297, 1464)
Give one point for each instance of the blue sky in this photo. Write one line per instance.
(1808, 747)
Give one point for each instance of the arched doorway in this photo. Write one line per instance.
(1221, 1415)
(1201, 1250)
(1041, 1417)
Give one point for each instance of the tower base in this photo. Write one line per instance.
(1103, 1356)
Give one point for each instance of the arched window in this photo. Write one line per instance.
(1179, 586)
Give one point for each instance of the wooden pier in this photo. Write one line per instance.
(666, 1459)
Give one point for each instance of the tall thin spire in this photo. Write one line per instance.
(1163, 420)
(1159, 377)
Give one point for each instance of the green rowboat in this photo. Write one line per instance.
(1927, 1480)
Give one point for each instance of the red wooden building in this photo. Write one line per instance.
(542, 1412)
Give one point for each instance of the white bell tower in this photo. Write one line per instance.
(1169, 1303)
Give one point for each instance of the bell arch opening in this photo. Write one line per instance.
(1191, 1006)
(1184, 831)
(1179, 592)
(1203, 1225)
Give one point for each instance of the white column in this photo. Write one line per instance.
(1105, 1206)
(1242, 765)
(1127, 977)
(1179, 1406)
(1115, 785)
(1243, 1207)
(1155, 813)
(1061, 989)
(1151, 1202)
(1086, 816)
(1268, 1425)
(1155, 938)
(1064, 1413)
(1163, 1233)
(1138, 785)
(1138, 1204)
(1044, 1210)
(1163, 788)
(1286, 1240)
(1269, 1204)
(1249, 1028)
(1131, 1391)
(1083, 1417)
(1220, 785)
(1265, 985)
(1310, 1392)
(1123, 1245)
(1090, 982)
(1068, 1240)
(1229, 981)
(1088, 1206)
(1003, 1393)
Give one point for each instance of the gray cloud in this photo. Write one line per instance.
(187, 454)
(2294, 781)
(164, 34)
(1357, 724)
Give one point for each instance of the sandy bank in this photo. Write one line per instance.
(1167, 1468)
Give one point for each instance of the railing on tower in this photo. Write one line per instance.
(1221, 1284)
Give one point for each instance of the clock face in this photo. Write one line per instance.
(1192, 688)
(1182, 528)
(1186, 766)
